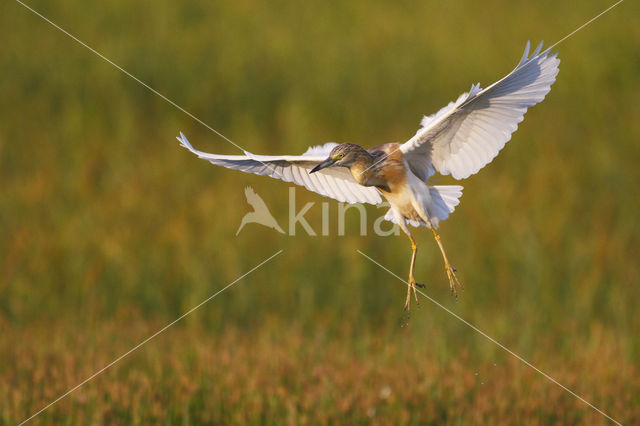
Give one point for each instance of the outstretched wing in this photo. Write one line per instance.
(333, 182)
(467, 134)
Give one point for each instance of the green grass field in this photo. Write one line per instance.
(109, 230)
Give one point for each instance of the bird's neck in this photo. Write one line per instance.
(364, 170)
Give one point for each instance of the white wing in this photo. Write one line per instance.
(333, 182)
(467, 134)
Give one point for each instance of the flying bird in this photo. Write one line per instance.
(458, 140)
(260, 213)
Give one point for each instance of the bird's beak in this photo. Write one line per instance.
(326, 163)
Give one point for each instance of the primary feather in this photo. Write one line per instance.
(467, 134)
(336, 183)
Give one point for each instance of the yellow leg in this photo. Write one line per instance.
(451, 271)
(412, 281)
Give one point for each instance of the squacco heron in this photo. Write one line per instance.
(458, 140)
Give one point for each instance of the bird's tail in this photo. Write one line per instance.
(444, 199)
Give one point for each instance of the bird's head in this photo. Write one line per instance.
(344, 155)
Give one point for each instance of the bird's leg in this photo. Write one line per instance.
(451, 271)
(412, 281)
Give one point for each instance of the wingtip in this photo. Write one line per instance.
(538, 49)
(538, 53)
(525, 55)
(184, 142)
(182, 139)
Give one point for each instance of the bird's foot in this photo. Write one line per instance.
(453, 279)
(412, 285)
(407, 303)
(407, 308)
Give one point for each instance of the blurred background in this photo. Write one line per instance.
(109, 230)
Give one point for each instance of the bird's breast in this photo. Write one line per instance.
(402, 201)
(384, 169)
(394, 173)
(392, 169)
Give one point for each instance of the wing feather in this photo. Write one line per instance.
(467, 134)
(335, 182)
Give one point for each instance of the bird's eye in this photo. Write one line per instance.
(340, 156)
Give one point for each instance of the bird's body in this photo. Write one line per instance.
(401, 185)
(459, 140)
(386, 170)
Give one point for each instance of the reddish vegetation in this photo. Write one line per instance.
(279, 375)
